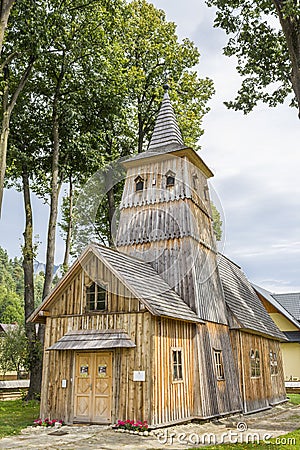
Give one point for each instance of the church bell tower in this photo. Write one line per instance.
(165, 217)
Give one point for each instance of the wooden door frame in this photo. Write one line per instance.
(112, 351)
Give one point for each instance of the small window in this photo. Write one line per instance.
(177, 365)
(170, 178)
(273, 363)
(219, 364)
(206, 196)
(96, 297)
(139, 184)
(254, 364)
(195, 181)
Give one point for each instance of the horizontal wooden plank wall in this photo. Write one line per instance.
(131, 399)
(217, 396)
(257, 392)
(172, 400)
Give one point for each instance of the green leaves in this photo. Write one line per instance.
(263, 35)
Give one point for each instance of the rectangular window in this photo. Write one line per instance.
(273, 363)
(254, 364)
(219, 364)
(177, 365)
(96, 297)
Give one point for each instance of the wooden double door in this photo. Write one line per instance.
(93, 387)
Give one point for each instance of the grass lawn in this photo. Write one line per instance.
(16, 415)
(294, 398)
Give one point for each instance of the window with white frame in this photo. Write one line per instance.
(177, 364)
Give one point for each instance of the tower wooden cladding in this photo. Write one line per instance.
(168, 222)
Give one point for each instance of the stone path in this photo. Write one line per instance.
(264, 425)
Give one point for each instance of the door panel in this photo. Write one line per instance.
(102, 387)
(83, 383)
(93, 387)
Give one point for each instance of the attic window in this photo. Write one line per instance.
(139, 184)
(254, 364)
(96, 297)
(273, 363)
(170, 178)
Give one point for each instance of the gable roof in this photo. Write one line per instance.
(138, 277)
(291, 302)
(272, 300)
(243, 302)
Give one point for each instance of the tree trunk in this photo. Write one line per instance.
(55, 189)
(28, 256)
(7, 109)
(5, 7)
(3, 151)
(291, 30)
(70, 226)
(111, 211)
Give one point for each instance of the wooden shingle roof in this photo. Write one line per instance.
(243, 302)
(138, 277)
(166, 130)
(93, 340)
(146, 284)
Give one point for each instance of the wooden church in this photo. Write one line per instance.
(161, 328)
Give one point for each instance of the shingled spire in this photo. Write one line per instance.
(166, 130)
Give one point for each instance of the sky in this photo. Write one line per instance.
(255, 160)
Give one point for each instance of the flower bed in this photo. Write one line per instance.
(130, 426)
(47, 422)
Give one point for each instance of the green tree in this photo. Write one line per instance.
(217, 222)
(13, 350)
(11, 289)
(264, 36)
(151, 54)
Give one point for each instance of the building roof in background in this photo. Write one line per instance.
(243, 302)
(291, 302)
(292, 336)
(271, 298)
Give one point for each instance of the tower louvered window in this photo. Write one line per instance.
(170, 178)
(139, 184)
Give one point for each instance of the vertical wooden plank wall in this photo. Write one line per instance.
(258, 392)
(217, 396)
(132, 399)
(172, 400)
